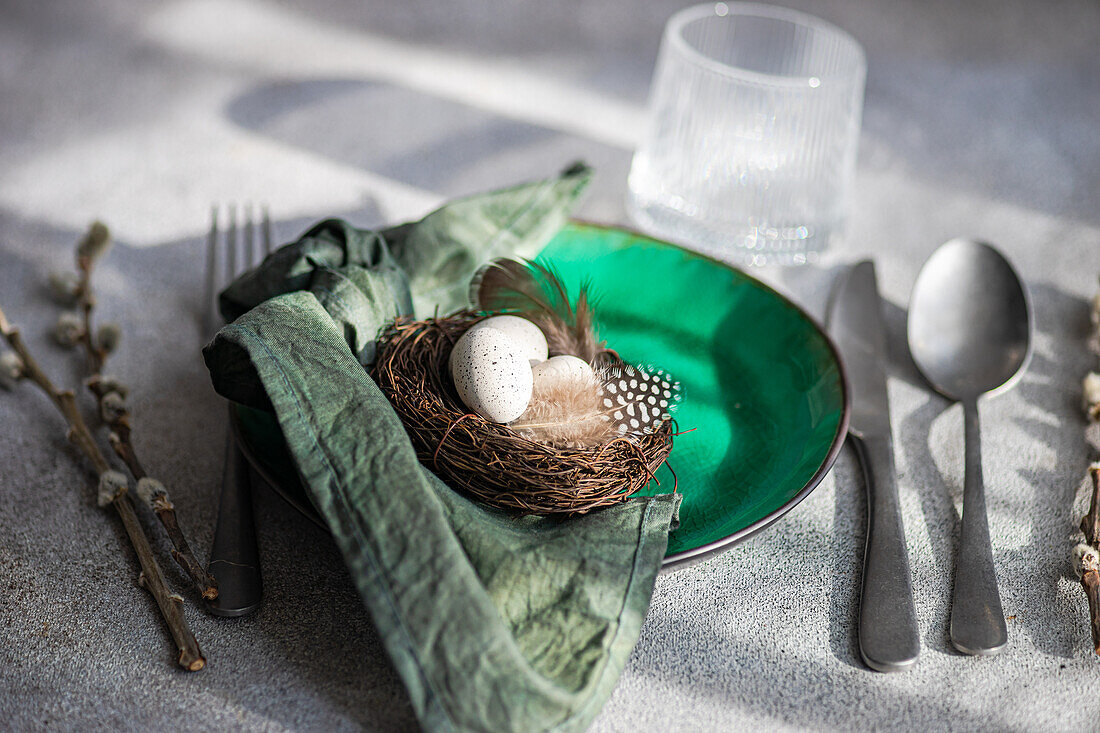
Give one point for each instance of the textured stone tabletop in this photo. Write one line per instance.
(980, 119)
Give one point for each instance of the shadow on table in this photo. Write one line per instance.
(980, 127)
(421, 140)
(1052, 387)
(314, 622)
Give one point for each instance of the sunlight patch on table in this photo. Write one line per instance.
(265, 39)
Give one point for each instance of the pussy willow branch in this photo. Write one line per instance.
(118, 421)
(1086, 563)
(1087, 556)
(1090, 581)
(86, 303)
(1090, 571)
(190, 656)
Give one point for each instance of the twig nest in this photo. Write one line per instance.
(490, 460)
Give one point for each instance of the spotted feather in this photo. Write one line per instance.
(637, 399)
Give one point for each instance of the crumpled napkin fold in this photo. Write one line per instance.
(494, 622)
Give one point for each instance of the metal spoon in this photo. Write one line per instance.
(970, 334)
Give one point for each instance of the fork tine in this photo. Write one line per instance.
(231, 245)
(208, 315)
(249, 260)
(267, 230)
(241, 245)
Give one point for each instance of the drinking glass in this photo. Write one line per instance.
(750, 148)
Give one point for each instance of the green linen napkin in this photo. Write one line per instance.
(494, 622)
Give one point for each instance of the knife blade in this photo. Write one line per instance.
(888, 638)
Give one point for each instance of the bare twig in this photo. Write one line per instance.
(190, 656)
(86, 302)
(1090, 523)
(116, 416)
(1086, 563)
(1091, 582)
(1087, 556)
(155, 495)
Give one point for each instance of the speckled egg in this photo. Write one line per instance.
(558, 370)
(492, 374)
(526, 334)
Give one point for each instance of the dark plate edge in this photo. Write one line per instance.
(260, 470)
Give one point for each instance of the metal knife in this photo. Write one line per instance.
(888, 639)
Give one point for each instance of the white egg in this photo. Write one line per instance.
(557, 370)
(530, 338)
(492, 374)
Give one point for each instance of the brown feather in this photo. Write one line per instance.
(567, 413)
(535, 291)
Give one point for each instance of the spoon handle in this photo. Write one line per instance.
(977, 621)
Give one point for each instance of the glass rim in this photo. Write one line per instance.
(674, 36)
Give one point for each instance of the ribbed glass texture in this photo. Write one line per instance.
(750, 148)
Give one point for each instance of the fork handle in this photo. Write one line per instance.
(234, 556)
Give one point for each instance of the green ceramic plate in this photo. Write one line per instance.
(765, 408)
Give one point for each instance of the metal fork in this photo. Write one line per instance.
(234, 555)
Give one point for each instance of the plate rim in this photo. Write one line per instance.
(684, 558)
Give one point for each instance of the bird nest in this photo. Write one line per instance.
(490, 460)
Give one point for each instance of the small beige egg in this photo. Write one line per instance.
(492, 374)
(527, 335)
(558, 370)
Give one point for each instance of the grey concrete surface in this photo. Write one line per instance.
(980, 119)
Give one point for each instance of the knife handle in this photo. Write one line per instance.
(888, 639)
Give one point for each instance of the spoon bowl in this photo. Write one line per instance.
(969, 322)
(970, 334)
